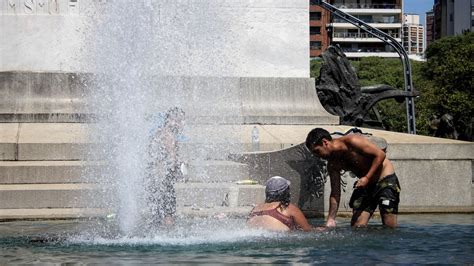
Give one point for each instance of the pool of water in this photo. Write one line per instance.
(419, 239)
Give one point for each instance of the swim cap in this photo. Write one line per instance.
(276, 184)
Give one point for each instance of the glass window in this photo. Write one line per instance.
(315, 30)
(315, 45)
(315, 15)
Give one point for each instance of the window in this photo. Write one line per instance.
(315, 45)
(315, 30)
(315, 15)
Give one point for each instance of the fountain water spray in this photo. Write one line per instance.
(140, 53)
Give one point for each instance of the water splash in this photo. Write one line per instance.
(141, 53)
(186, 232)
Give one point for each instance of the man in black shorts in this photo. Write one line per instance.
(377, 185)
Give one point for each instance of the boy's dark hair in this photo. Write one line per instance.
(316, 136)
(174, 113)
(281, 196)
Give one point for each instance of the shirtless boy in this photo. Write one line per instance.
(377, 184)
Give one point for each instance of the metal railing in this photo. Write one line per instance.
(368, 6)
(367, 50)
(371, 20)
(360, 35)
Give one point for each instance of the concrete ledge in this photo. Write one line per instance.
(283, 101)
(8, 140)
(431, 151)
(60, 97)
(32, 97)
(434, 182)
(219, 212)
(436, 209)
(217, 171)
(51, 213)
(272, 138)
(52, 141)
(197, 195)
(46, 117)
(209, 195)
(52, 151)
(78, 213)
(38, 172)
(36, 196)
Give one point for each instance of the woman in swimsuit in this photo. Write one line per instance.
(277, 213)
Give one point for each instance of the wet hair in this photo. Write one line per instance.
(174, 113)
(316, 136)
(282, 196)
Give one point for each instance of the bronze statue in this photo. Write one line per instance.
(340, 93)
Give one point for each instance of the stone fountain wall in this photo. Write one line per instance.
(257, 38)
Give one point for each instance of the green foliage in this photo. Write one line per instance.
(389, 71)
(449, 79)
(377, 70)
(315, 66)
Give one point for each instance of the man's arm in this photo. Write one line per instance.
(335, 196)
(369, 149)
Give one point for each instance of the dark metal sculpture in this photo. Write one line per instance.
(387, 39)
(445, 127)
(340, 93)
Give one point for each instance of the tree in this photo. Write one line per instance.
(448, 81)
(389, 71)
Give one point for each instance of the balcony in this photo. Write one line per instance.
(372, 19)
(360, 37)
(369, 54)
(375, 25)
(353, 52)
(354, 8)
(367, 6)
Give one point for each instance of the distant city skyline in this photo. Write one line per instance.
(419, 7)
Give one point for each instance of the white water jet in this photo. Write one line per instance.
(136, 51)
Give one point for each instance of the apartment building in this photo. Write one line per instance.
(319, 19)
(429, 26)
(452, 17)
(413, 34)
(385, 15)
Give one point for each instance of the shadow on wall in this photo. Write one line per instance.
(306, 172)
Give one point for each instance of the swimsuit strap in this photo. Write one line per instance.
(288, 221)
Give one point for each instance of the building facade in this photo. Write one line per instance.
(319, 19)
(452, 18)
(413, 34)
(385, 15)
(429, 27)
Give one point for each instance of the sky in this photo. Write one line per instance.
(418, 7)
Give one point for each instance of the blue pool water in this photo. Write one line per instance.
(419, 239)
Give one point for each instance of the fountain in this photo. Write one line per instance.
(76, 142)
(142, 63)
